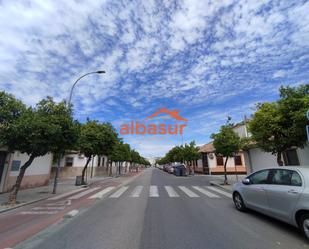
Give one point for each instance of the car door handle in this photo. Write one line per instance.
(292, 191)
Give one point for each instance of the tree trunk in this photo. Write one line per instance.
(225, 175)
(110, 168)
(279, 159)
(84, 170)
(16, 186)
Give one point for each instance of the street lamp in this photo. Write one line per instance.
(72, 88)
(69, 103)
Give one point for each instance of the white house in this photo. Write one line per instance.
(72, 164)
(37, 174)
(256, 158)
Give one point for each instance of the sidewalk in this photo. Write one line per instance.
(219, 180)
(28, 196)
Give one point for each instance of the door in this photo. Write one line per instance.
(254, 194)
(3, 155)
(205, 164)
(283, 192)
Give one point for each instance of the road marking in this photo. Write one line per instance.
(100, 194)
(39, 212)
(205, 192)
(60, 203)
(220, 191)
(188, 192)
(71, 214)
(153, 191)
(65, 194)
(136, 191)
(79, 195)
(47, 208)
(119, 192)
(171, 192)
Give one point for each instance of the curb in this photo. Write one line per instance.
(23, 204)
(37, 200)
(213, 183)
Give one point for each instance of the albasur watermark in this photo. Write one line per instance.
(145, 128)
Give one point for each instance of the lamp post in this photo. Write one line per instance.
(69, 104)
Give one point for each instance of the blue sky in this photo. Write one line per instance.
(208, 59)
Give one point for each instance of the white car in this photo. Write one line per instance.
(281, 192)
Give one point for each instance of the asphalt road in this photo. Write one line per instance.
(152, 219)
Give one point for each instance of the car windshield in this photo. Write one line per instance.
(132, 124)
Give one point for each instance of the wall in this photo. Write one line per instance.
(241, 131)
(37, 174)
(262, 160)
(79, 161)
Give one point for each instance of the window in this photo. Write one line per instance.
(259, 177)
(220, 160)
(15, 165)
(237, 160)
(69, 161)
(99, 161)
(103, 161)
(296, 179)
(286, 177)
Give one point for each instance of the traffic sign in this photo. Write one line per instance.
(307, 128)
(308, 114)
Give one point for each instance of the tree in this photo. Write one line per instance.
(10, 108)
(48, 127)
(227, 143)
(280, 125)
(121, 153)
(190, 154)
(96, 139)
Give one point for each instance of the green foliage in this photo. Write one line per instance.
(281, 125)
(10, 108)
(227, 143)
(97, 138)
(121, 153)
(188, 152)
(48, 127)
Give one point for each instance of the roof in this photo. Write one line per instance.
(207, 148)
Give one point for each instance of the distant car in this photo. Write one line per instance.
(282, 193)
(180, 170)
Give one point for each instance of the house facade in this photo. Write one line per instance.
(214, 164)
(255, 158)
(72, 165)
(37, 174)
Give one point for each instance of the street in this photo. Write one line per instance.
(159, 210)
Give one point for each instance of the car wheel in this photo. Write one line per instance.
(238, 201)
(304, 225)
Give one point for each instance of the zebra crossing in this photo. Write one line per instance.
(154, 191)
(61, 202)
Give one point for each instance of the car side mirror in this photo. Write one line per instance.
(246, 181)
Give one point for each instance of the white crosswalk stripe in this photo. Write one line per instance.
(205, 192)
(100, 194)
(136, 191)
(79, 195)
(220, 191)
(65, 194)
(153, 191)
(188, 192)
(119, 192)
(171, 192)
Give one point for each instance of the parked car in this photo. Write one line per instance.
(179, 170)
(282, 193)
